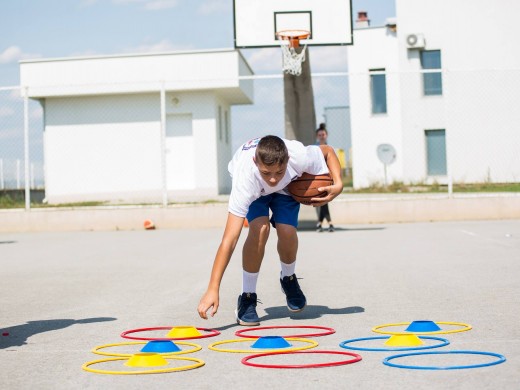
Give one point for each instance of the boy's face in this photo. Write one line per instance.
(271, 174)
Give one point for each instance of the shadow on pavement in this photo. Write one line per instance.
(310, 226)
(17, 335)
(311, 312)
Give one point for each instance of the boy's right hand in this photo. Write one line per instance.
(209, 300)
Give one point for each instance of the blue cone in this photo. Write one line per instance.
(271, 342)
(423, 326)
(161, 346)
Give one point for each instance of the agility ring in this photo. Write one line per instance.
(345, 344)
(328, 331)
(464, 328)
(356, 358)
(501, 359)
(211, 333)
(97, 349)
(198, 363)
(311, 343)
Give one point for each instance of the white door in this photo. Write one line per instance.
(180, 158)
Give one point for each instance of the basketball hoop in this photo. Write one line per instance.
(289, 42)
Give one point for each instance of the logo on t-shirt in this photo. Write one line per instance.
(251, 144)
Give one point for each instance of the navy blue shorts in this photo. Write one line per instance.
(285, 209)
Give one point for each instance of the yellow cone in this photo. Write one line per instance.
(183, 332)
(403, 340)
(145, 359)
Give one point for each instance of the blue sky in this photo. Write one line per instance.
(32, 29)
(64, 28)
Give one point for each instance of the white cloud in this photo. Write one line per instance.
(15, 94)
(213, 6)
(323, 59)
(14, 54)
(328, 58)
(6, 111)
(267, 60)
(163, 46)
(151, 5)
(11, 54)
(9, 134)
(36, 113)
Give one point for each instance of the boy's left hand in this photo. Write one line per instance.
(332, 191)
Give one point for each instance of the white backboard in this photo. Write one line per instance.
(257, 21)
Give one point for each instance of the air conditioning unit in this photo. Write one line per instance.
(415, 41)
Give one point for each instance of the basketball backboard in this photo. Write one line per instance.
(257, 21)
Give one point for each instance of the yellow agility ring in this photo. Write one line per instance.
(96, 350)
(464, 328)
(311, 343)
(198, 363)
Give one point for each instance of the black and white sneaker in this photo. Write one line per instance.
(246, 310)
(296, 300)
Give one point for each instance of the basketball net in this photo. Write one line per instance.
(292, 61)
(289, 41)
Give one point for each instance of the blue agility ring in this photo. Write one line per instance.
(343, 344)
(501, 359)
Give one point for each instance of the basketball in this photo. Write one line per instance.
(305, 187)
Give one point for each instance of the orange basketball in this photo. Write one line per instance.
(305, 187)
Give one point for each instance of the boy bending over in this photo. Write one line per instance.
(261, 170)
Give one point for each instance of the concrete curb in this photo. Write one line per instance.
(346, 209)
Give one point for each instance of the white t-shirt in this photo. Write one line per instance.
(248, 184)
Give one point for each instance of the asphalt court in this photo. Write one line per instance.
(62, 294)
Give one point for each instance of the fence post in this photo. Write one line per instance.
(163, 148)
(26, 149)
(2, 185)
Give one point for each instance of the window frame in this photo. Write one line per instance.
(430, 78)
(380, 72)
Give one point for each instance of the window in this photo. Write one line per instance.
(436, 152)
(378, 91)
(431, 59)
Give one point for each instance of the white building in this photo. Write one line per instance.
(147, 127)
(440, 83)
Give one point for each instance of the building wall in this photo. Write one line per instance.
(101, 145)
(103, 124)
(109, 147)
(374, 48)
(480, 86)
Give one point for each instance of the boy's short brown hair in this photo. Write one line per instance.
(271, 150)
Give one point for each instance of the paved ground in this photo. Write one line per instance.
(62, 294)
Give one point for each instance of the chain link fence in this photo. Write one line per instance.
(132, 148)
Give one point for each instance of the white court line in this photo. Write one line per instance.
(468, 233)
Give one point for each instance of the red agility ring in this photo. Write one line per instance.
(356, 358)
(211, 333)
(240, 333)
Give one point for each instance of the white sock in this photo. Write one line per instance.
(249, 281)
(287, 269)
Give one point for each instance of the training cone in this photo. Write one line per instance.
(422, 326)
(161, 346)
(146, 360)
(270, 342)
(149, 225)
(403, 340)
(180, 332)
